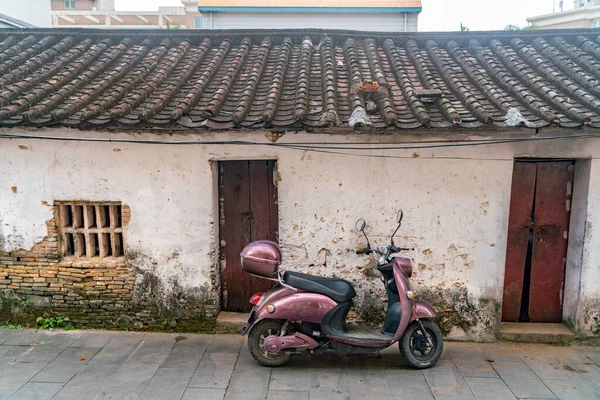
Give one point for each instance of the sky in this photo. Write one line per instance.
(437, 15)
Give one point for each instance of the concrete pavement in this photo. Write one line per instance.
(131, 365)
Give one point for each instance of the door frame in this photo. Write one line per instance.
(571, 315)
(219, 264)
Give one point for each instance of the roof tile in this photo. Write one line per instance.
(297, 80)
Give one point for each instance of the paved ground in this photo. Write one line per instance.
(124, 365)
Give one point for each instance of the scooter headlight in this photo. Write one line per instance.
(410, 295)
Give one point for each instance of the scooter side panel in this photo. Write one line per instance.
(406, 303)
(296, 306)
(422, 310)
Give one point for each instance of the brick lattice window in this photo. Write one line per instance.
(90, 229)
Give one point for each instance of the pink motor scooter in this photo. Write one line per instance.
(308, 313)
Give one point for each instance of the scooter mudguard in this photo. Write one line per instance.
(422, 310)
(289, 304)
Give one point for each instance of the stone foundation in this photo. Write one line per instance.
(93, 293)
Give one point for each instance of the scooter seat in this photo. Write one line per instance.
(339, 290)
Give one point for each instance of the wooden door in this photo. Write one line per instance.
(248, 212)
(537, 241)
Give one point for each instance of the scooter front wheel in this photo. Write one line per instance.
(256, 339)
(416, 349)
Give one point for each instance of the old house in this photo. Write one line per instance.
(134, 166)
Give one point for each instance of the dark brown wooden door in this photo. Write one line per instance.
(537, 241)
(248, 212)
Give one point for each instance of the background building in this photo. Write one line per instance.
(585, 14)
(370, 15)
(33, 12)
(102, 14)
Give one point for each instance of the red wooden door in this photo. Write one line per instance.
(248, 211)
(537, 241)
(519, 222)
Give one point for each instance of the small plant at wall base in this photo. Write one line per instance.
(26, 303)
(52, 322)
(10, 325)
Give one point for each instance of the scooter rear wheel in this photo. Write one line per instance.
(256, 338)
(415, 348)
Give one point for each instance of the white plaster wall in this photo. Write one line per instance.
(589, 305)
(456, 204)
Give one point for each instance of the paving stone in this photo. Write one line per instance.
(445, 381)
(328, 377)
(475, 368)
(5, 334)
(40, 353)
(489, 388)
(592, 353)
(24, 337)
(404, 382)
(16, 375)
(409, 387)
(186, 353)
(249, 381)
(163, 366)
(47, 349)
(587, 374)
(550, 369)
(522, 381)
(571, 389)
(9, 354)
(37, 391)
(118, 349)
(285, 395)
(214, 371)
(293, 376)
(367, 378)
(92, 339)
(167, 383)
(457, 350)
(139, 368)
(223, 343)
(203, 394)
(66, 365)
(568, 355)
(88, 383)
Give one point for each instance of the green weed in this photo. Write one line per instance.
(50, 322)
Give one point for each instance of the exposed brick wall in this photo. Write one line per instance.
(96, 293)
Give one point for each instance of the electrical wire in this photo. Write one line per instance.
(329, 148)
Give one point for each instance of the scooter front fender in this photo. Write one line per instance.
(422, 310)
(294, 305)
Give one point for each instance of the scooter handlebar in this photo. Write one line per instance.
(366, 250)
(395, 249)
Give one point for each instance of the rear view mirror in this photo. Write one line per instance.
(399, 216)
(360, 225)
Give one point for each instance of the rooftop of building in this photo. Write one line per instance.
(298, 80)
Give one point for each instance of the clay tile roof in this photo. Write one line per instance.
(298, 80)
(311, 3)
